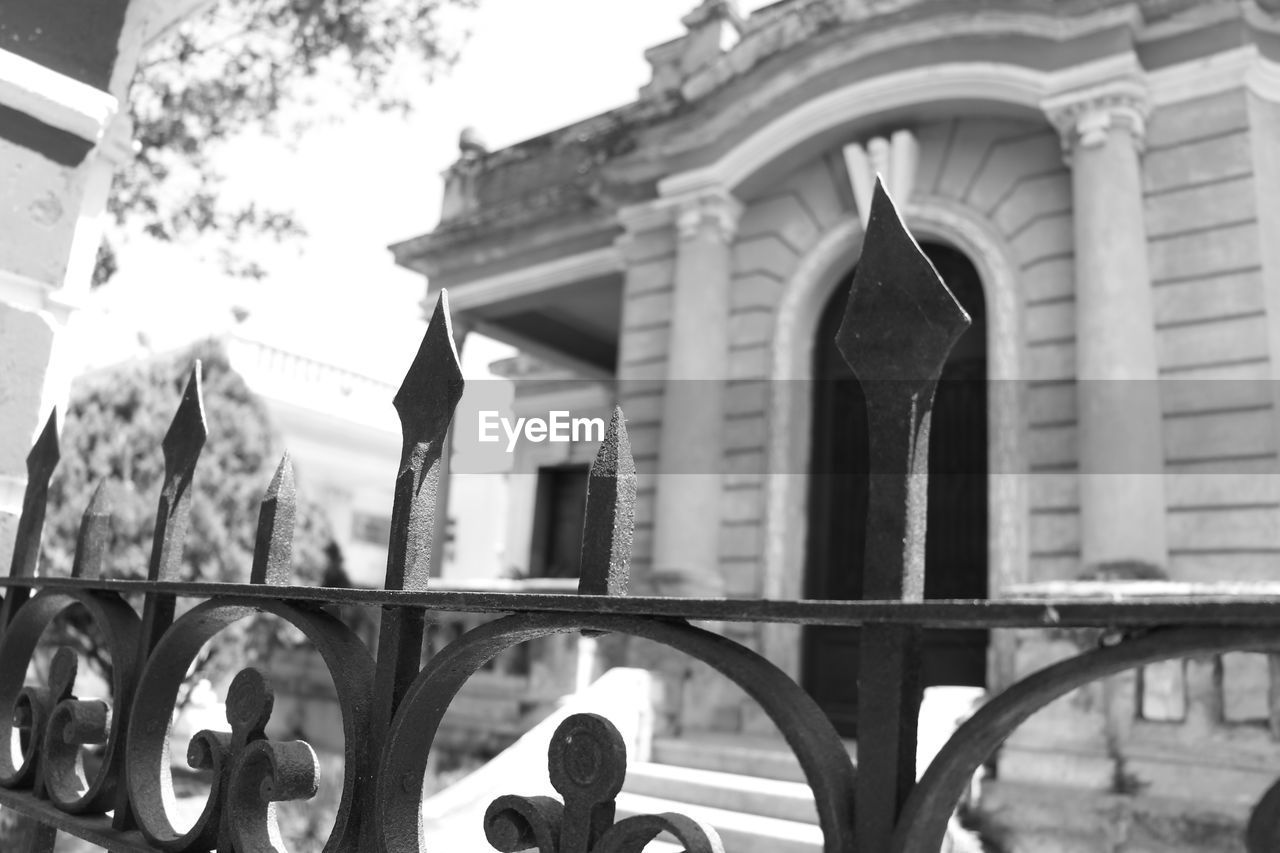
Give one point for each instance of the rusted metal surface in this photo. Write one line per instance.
(900, 325)
(41, 461)
(610, 521)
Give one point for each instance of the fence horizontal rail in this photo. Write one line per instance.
(1141, 612)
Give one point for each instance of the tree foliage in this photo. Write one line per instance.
(245, 65)
(114, 426)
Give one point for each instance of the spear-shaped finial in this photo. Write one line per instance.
(41, 461)
(95, 535)
(182, 445)
(44, 454)
(898, 330)
(273, 549)
(425, 402)
(609, 527)
(901, 320)
(433, 384)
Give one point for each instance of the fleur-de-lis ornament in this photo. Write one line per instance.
(587, 761)
(250, 773)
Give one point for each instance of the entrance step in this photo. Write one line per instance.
(761, 757)
(771, 798)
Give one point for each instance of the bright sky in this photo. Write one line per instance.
(527, 68)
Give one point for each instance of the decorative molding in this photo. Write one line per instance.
(1210, 75)
(1263, 79)
(895, 160)
(688, 211)
(798, 23)
(30, 294)
(715, 212)
(537, 278)
(1085, 116)
(646, 216)
(53, 98)
(994, 82)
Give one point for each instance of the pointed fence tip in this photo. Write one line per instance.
(614, 456)
(609, 526)
(187, 431)
(45, 452)
(95, 533)
(101, 503)
(282, 480)
(273, 547)
(901, 320)
(433, 384)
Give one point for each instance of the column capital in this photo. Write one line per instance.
(715, 212)
(1084, 116)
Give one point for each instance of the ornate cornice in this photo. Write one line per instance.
(1084, 116)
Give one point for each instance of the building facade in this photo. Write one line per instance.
(1097, 181)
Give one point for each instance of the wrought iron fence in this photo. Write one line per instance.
(900, 325)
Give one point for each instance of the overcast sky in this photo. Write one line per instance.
(528, 67)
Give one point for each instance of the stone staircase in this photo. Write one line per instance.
(751, 790)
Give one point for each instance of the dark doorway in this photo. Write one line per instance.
(559, 511)
(956, 544)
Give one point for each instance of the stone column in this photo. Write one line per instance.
(1122, 502)
(686, 547)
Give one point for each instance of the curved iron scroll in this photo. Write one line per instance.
(243, 760)
(923, 824)
(807, 730)
(56, 723)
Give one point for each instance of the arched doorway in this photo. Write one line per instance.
(956, 546)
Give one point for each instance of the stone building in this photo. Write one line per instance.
(1099, 182)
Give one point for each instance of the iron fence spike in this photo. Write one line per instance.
(902, 319)
(45, 453)
(95, 534)
(432, 386)
(273, 547)
(426, 401)
(187, 431)
(182, 445)
(41, 462)
(899, 326)
(609, 527)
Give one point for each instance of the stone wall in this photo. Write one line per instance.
(1126, 756)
